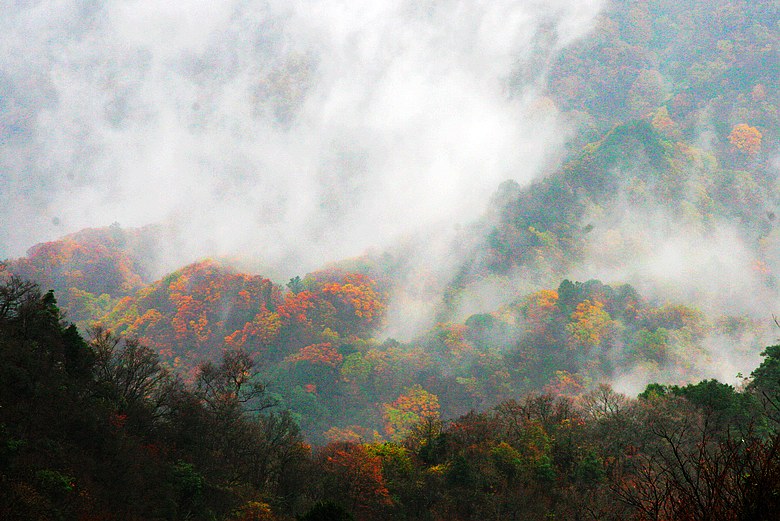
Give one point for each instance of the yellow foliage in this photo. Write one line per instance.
(590, 323)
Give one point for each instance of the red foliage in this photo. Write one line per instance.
(262, 331)
(296, 306)
(200, 308)
(358, 475)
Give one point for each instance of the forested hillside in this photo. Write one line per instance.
(592, 345)
(100, 429)
(316, 342)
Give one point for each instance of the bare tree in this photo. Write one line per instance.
(233, 386)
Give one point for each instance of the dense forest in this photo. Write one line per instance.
(592, 346)
(100, 429)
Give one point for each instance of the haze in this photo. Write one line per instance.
(294, 132)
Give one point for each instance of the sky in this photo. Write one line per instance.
(294, 132)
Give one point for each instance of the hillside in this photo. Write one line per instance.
(316, 342)
(317, 309)
(101, 429)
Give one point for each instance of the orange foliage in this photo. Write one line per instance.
(663, 123)
(356, 296)
(200, 308)
(388, 363)
(350, 434)
(409, 409)
(190, 318)
(94, 261)
(149, 319)
(296, 305)
(254, 511)
(323, 354)
(746, 139)
(453, 337)
(540, 310)
(263, 330)
(761, 267)
(540, 304)
(565, 384)
(359, 475)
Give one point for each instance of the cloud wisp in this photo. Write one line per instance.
(295, 132)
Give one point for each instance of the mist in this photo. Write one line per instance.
(294, 133)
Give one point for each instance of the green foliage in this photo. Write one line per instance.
(73, 445)
(108, 426)
(766, 377)
(187, 482)
(55, 483)
(326, 511)
(652, 345)
(461, 473)
(654, 391)
(508, 461)
(590, 469)
(709, 394)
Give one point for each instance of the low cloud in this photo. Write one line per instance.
(294, 132)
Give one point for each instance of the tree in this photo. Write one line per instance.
(318, 354)
(232, 385)
(413, 406)
(603, 403)
(646, 93)
(354, 478)
(327, 511)
(261, 331)
(591, 324)
(359, 305)
(766, 381)
(132, 370)
(746, 139)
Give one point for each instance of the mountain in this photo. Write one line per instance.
(316, 341)
(90, 270)
(468, 370)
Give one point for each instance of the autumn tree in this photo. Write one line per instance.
(590, 323)
(358, 303)
(413, 406)
(353, 477)
(540, 310)
(261, 332)
(745, 139)
(646, 93)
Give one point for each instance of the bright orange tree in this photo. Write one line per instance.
(540, 311)
(746, 139)
(198, 309)
(357, 301)
(262, 331)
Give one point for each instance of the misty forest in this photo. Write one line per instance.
(457, 260)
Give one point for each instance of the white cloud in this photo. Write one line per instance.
(299, 132)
